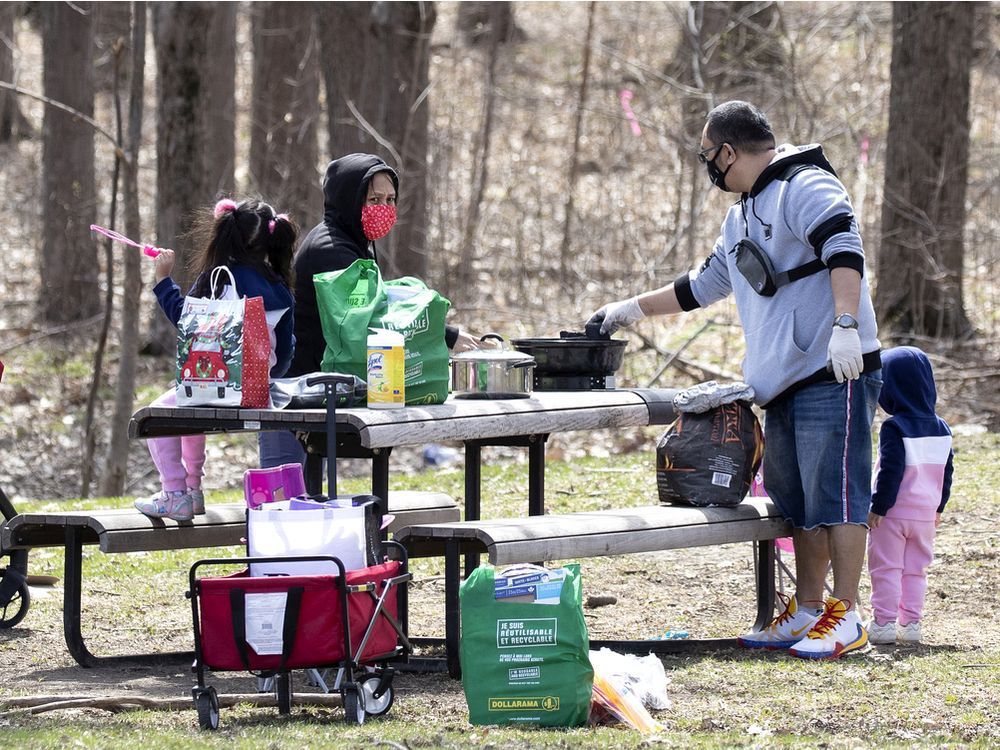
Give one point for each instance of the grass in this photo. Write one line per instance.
(937, 695)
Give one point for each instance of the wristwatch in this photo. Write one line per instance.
(845, 320)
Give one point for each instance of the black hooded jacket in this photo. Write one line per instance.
(333, 245)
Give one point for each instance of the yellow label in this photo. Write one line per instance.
(386, 385)
(542, 703)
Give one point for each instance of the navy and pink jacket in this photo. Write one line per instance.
(914, 467)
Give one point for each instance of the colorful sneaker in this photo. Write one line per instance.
(784, 631)
(197, 501)
(909, 633)
(837, 632)
(174, 505)
(881, 633)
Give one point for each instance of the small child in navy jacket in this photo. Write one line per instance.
(912, 484)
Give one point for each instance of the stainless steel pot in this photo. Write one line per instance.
(491, 373)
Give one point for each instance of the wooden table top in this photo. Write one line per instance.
(456, 419)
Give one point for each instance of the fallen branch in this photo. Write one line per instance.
(686, 366)
(37, 704)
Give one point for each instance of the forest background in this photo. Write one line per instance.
(547, 160)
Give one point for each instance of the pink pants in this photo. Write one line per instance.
(180, 460)
(899, 552)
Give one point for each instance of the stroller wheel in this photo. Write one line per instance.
(207, 703)
(354, 703)
(376, 706)
(283, 691)
(15, 608)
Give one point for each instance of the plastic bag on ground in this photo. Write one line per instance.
(643, 675)
(619, 680)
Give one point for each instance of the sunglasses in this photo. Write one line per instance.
(703, 155)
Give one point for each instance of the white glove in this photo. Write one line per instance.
(615, 315)
(845, 353)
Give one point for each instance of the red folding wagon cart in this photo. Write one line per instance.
(347, 621)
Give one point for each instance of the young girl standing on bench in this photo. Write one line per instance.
(257, 245)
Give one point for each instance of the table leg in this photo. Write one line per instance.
(313, 473)
(72, 614)
(764, 550)
(72, 595)
(536, 475)
(452, 609)
(473, 495)
(380, 478)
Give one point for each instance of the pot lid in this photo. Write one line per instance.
(492, 355)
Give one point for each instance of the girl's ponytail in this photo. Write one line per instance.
(281, 235)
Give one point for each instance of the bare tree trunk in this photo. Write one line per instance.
(116, 460)
(480, 175)
(111, 24)
(285, 109)
(195, 92)
(377, 100)
(484, 22)
(574, 161)
(927, 154)
(68, 269)
(219, 114)
(12, 122)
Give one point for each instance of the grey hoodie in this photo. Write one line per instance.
(794, 221)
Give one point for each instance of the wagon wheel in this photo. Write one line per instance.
(354, 703)
(376, 706)
(207, 704)
(14, 610)
(283, 691)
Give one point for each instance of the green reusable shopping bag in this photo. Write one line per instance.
(418, 313)
(347, 300)
(356, 299)
(524, 656)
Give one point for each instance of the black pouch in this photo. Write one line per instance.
(756, 267)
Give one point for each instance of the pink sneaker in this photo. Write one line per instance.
(176, 506)
(197, 501)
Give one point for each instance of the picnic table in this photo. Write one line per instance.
(373, 433)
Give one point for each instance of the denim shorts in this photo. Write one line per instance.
(818, 452)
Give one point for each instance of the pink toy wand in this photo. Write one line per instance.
(624, 97)
(149, 250)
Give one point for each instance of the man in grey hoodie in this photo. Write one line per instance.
(790, 254)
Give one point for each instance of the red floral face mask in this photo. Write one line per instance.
(376, 221)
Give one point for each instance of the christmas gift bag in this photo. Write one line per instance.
(223, 349)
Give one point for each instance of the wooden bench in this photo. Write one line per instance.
(599, 533)
(128, 530)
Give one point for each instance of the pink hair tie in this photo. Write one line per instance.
(274, 222)
(224, 206)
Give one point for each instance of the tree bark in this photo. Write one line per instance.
(727, 51)
(12, 122)
(194, 151)
(285, 110)
(116, 460)
(377, 100)
(486, 22)
(564, 261)
(219, 112)
(923, 211)
(68, 269)
(480, 175)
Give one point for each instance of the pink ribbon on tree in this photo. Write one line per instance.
(149, 250)
(625, 96)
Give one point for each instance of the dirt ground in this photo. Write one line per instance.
(706, 592)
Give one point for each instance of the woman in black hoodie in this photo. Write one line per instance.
(359, 193)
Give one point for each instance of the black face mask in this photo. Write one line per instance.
(717, 176)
